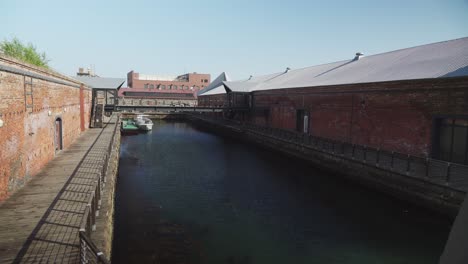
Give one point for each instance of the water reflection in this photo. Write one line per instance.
(185, 195)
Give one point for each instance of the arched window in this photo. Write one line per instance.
(151, 86)
(186, 87)
(174, 87)
(163, 87)
(146, 86)
(181, 87)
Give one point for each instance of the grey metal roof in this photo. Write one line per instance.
(217, 90)
(436, 60)
(215, 83)
(101, 82)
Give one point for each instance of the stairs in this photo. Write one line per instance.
(98, 111)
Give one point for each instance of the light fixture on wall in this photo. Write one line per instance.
(49, 113)
(1, 122)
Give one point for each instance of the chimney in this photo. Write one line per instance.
(250, 78)
(287, 70)
(358, 56)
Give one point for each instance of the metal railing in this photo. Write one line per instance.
(89, 252)
(445, 174)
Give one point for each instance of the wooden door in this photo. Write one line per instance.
(58, 134)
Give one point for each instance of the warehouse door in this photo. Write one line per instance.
(58, 134)
(302, 121)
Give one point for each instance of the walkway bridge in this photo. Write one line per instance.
(154, 108)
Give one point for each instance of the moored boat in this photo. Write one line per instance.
(143, 122)
(129, 127)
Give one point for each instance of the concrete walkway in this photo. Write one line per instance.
(39, 223)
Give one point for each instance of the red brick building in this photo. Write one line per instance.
(412, 101)
(41, 113)
(157, 90)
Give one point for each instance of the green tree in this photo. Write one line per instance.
(26, 53)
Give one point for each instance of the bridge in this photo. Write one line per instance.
(158, 108)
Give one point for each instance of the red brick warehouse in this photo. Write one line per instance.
(41, 112)
(412, 101)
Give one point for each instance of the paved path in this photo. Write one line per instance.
(39, 223)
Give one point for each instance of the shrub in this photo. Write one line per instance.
(26, 53)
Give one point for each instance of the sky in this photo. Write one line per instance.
(241, 37)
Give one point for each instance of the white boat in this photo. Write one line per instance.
(143, 122)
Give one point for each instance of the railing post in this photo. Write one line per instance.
(98, 198)
(342, 144)
(83, 251)
(408, 164)
(427, 168)
(333, 147)
(447, 178)
(391, 162)
(353, 150)
(365, 154)
(377, 161)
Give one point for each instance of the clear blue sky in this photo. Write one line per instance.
(240, 37)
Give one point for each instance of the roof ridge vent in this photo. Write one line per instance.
(287, 70)
(358, 56)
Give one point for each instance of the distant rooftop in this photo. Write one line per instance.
(149, 77)
(155, 77)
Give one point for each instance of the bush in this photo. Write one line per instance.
(26, 53)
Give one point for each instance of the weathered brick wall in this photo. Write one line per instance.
(27, 137)
(215, 100)
(396, 116)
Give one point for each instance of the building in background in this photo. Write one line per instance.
(153, 90)
(104, 96)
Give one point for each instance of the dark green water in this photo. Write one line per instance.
(185, 195)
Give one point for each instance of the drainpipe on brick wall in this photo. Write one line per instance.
(82, 117)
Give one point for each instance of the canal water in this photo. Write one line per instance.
(185, 195)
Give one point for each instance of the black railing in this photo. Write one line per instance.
(446, 174)
(89, 252)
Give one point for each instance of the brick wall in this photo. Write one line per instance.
(396, 116)
(195, 80)
(215, 100)
(27, 138)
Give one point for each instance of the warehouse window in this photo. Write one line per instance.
(451, 139)
(151, 86)
(174, 87)
(146, 86)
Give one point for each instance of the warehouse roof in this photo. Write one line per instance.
(436, 60)
(217, 90)
(215, 83)
(101, 82)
